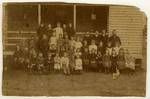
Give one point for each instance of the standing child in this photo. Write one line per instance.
(18, 56)
(109, 48)
(65, 64)
(60, 46)
(57, 63)
(114, 65)
(33, 63)
(106, 62)
(40, 63)
(66, 43)
(26, 58)
(101, 48)
(78, 44)
(72, 42)
(49, 63)
(93, 46)
(93, 60)
(78, 64)
(99, 61)
(71, 59)
(117, 48)
(121, 60)
(85, 58)
(53, 44)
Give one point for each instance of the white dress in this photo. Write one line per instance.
(78, 45)
(59, 31)
(78, 64)
(57, 62)
(91, 47)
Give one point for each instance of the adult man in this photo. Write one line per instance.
(70, 30)
(114, 39)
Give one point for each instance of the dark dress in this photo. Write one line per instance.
(115, 39)
(114, 64)
(93, 62)
(85, 60)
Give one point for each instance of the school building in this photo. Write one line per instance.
(21, 21)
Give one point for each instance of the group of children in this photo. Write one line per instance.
(60, 51)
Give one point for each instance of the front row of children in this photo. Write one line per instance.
(76, 59)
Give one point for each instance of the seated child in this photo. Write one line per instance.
(109, 48)
(78, 64)
(18, 56)
(57, 63)
(40, 63)
(65, 64)
(106, 60)
(78, 44)
(121, 60)
(130, 62)
(93, 60)
(93, 46)
(85, 58)
(114, 65)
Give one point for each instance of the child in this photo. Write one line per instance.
(60, 46)
(71, 59)
(40, 63)
(26, 58)
(66, 43)
(65, 64)
(53, 44)
(117, 48)
(106, 60)
(87, 38)
(121, 60)
(130, 62)
(93, 46)
(72, 42)
(114, 65)
(93, 60)
(101, 48)
(78, 64)
(49, 63)
(78, 44)
(85, 46)
(109, 48)
(64, 30)
(49, 31)
(85, 58)
(78, 52)
(99, 61)
(57, 63)
(18, 60)
(33, 62)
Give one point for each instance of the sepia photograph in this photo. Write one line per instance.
(73, 49)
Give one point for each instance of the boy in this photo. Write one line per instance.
(93, 60)
(40, 63)
(85, 57)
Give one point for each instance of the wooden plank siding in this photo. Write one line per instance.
(129, 23)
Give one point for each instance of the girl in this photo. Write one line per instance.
(40, 63)
(57, 63)
(106, 60)
(71, 59)
(65, 64)
(60, 46)
(72, 42)
(93, 60)
(117, 48)
(130, 62)
(78, 64)
(78, 52)
(85, 46)
(121, 60)
(93, 46)
(78, 44)
(114, 65)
